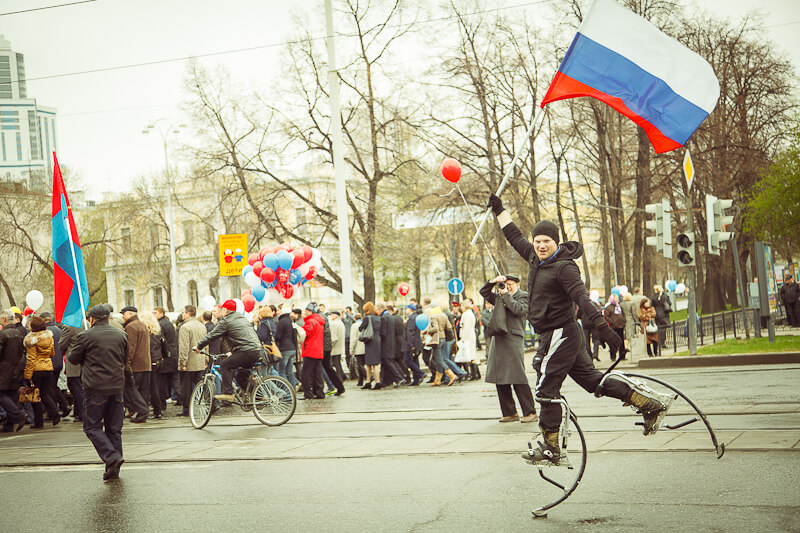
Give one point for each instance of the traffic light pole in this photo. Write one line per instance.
(692, 318)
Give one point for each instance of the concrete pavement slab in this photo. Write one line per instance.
(777, 440)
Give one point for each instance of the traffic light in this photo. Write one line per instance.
(685, 241)
(662, 225)
(716, 220)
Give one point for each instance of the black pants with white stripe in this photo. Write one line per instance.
(562, 353)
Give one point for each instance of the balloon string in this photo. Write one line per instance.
(485, 245)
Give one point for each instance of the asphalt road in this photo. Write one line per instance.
(423, 459)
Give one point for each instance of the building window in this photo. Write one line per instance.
(188, 233)
(211, 235)
(155, 237)
(19, 147)
(21, 81)
(193, 296)
(3, 142)
(300, 219)
(5, 77)
(127, 244)
(213, 287)
(158, 297)
(129, 298)
(33, 135)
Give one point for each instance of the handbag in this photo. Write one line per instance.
(449, 335)
(497, 324)
(651, 327)
(29, 395)
(366, 334)
(273, 353)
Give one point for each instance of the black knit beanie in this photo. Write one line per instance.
(545, 227)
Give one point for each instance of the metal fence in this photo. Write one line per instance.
(713, 328)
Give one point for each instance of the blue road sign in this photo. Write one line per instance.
(455, 286)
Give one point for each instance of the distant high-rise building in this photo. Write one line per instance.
(27, 129)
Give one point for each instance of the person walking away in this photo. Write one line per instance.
(505, 365)
(372, 347)
(158, 351)
(40, 349)
(169, 368)
(357, 351)
(616, 320)
(347, 320)
(102, 353)
(555, 284)
(467, 355)
(207, 320)
(414, 343)
(663, 307)
(137, 372)
(13, 358)
(790, 297)
(647, 317)
(286, 340)
(630, 311)
(390, 375)
(236, 331)
(313, 353)
(191, 365)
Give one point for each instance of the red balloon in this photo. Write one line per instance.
(244, 293)
(27, 311)
(267, 274)
(297, 257)
(311, 273)
(264, 251)
(307, 253)
(451, 170)
(283, 276)
(252, 258)
(288, 291)
(249, 302)
(258, 266)
(404, 288)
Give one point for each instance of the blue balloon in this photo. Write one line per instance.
(246, 270)
(272, 283)
(422, 321)
(615, 291)
(285, 260)
(270, 261)
(258, 292)
(295, 276)
(672, 285)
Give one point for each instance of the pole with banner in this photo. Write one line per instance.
(688, 172)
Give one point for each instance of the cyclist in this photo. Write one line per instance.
(554, 288)
(244, 344)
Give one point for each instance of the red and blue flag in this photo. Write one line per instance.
(71, 289)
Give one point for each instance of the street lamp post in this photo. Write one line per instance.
(165, 131)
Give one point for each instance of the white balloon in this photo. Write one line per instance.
(208, 302)
(274, 296)
(239, 305)
(34, 299)
(680, 288)
(304, 268)
(623, 290)
(251, 279)
(316, 259)
(594, 294)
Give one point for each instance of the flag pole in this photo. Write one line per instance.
(537, 117)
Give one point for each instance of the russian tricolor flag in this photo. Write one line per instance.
(626, 62)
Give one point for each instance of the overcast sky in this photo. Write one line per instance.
(101, 114)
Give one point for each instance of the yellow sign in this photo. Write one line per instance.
(232, 254)
(688, 170)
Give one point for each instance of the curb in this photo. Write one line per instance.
(777, 358)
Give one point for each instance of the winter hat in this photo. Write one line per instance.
(97, 312)
(545, 227)
(230, 305)
(129, 308)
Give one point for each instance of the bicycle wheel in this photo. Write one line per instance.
(682, 411)
(564, 477)
(201, 403)
(274, 401)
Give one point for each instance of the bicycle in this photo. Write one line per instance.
(567, 473)
(271, 398)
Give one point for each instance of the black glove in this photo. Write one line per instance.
(496, 204)
(610, 337)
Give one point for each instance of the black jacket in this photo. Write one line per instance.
(285, 335)
(158, 350)
(413, 337)
(12, 357)
(239, 333)
(789, 294)
(213, 346)
(554, 285)
(387, 336)
(264, 331)
(327, 343)
(58, 354)
(102, 353)
(400, 343)
(170, 364)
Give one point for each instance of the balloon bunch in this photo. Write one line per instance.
(274, 273)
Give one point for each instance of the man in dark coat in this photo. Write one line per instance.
(790, 296)
(12, 363)
(413, 340)
(139, 366)
(390, 374)
(67, 341)
(505, 364)
(169, 367)
(102, 352)
(400, 345)
(555, 287)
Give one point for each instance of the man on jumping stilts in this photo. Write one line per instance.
(554, 289)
